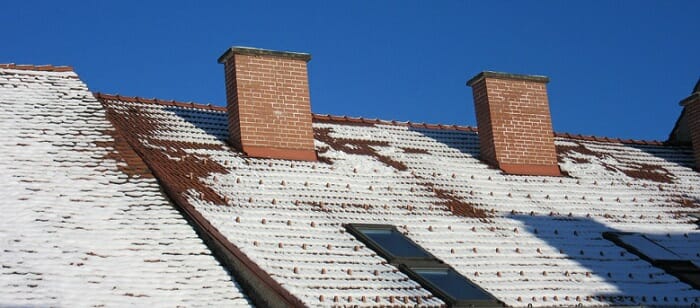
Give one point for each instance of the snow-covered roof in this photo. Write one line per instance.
(84, 221)
(527, 240)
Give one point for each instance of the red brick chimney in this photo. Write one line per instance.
(269, 110)
(515, 126)
(692, 113)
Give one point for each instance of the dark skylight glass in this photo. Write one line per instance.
(452, 283)
(394, 242)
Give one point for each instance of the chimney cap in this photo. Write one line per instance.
(501, 75)
(241, 50)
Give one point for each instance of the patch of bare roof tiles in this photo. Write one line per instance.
(366, 121)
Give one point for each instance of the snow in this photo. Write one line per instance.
(542, 244)
(76, 231)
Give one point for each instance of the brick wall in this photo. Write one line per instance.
(692, 110)
(515, 126)
(267, 94)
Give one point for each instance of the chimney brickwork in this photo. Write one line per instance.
(692, 109)
(514, 122)
(268, 103)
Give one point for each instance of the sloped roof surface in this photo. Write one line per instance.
(84, 222)
(525, 239)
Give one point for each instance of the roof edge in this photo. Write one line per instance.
(361, 120)
(242, 50)
(691, 98)
(676, 132)
(42, 68)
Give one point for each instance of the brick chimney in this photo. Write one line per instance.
(692, 114)
(269, 110)
(514, 122)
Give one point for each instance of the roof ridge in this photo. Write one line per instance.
(137, 99)
(362, 120)
(608, 139)
(31, 67)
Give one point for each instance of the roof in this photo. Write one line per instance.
(527, 240)
(84, 220)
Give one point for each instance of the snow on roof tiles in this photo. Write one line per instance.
(84, 221)
(525, 239)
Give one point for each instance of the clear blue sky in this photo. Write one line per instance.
(617, 68)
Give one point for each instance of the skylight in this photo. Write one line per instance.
(389, 242)
(433, 274)
(658, 255)
(450, 286)
(647, 247)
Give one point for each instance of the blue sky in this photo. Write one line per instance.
(617, 68)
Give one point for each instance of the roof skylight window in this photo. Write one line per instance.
(450, 286)
(389, 243)
(658, 255)
(433, 274)
(645, 246)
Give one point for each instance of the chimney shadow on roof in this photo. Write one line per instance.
(466, 142)
(213, 123)
(580, 240)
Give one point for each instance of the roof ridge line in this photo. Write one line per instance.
(362, 120)
(608, 139)
(43, 68)
(137, 99)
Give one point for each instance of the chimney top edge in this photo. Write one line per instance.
(242, 50)
(502, 75)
